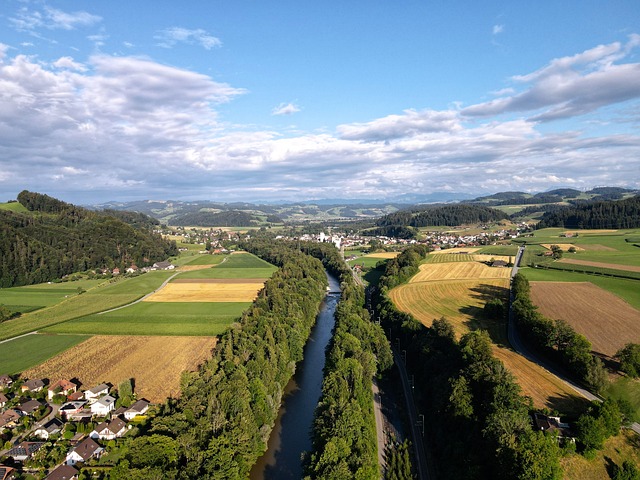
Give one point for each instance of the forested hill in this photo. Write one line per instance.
(56, 238)
(608, 214)
(231, 218)
(446, 215)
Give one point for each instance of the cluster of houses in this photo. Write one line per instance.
(47, 416)
(165, 265)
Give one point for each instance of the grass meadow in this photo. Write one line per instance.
(158, 318)
(14, 207)
(25, 352)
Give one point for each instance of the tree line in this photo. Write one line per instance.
(221, 423)
(556, 339)
(474, 410)
(230, 218)
(447, 215)
(606, 214)
(56, 239)
(344, 429)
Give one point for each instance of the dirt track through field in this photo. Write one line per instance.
(155, 363)
(606, 320)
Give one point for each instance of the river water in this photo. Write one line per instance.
(291, 434)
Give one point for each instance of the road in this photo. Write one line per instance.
(422, 466)
(377, 409)
(520, 348)
(164, 284)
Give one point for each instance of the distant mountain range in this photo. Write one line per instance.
(209, 213)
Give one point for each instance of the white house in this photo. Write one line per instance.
(69, 409)
(52, 427)
(84, 451)
(96, 392)
(138, 408)
(103, 406)
(109, 430)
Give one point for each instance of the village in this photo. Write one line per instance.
(56, 429)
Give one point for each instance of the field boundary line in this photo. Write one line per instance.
(164, 284)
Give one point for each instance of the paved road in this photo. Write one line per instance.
(19, 336)
(377, 408)
(519, 347)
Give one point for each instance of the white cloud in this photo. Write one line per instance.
(51, 18)
(169, 37)
(69, 63)
(572, 86)
(285, 109)
(497, 29)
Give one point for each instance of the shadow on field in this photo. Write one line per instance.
(567, 404)
(496, 327)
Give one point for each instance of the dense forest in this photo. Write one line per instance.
(606, 214)
(475, 411)
(447, 215)
(56, 239)
(231, 218)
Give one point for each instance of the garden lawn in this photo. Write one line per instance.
(25, 352)
(159, 318)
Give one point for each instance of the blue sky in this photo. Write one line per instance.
(238, 100)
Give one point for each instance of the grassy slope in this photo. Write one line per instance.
(14, 207)
(25, 352)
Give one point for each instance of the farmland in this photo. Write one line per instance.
(25, 352)
(606, 320)
(33, 297)
(458, 291)
(154, 362)
(190, 290)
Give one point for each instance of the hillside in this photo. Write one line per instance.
(605, 214)
(443, 215)
(56, 238)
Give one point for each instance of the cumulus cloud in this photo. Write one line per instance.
(111, 127)
(169, 37)
(572, 86)
(497, 29)
(285, 109)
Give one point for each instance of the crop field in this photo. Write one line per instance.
(459, 301)
(563, 246)
(587, 263)
(207, 260)
(545, 389)
(25, 352)
(203, 291)
(455, 250)
(159, 318)
(604, 319)
(33, 297)
(237, 265)
(508, 250)
(383, 255)
(459, 271)
(155, 363)
(366, 261)
(452, 257)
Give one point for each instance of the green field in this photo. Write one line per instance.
(207, 260)
(33, 297)
(245, 260)
(629, 290)
(628, 389)
(158, 318)
(25, 352)
(235, 266)
(498, 250)
(14, 207)
(367, 262)
(109, 294)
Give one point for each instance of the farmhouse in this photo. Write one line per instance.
(86, 450)
(24, 451)
(499, 263)
(52, 427)
(109, 430)
(63, 387)
(163, 266)
(63, 472)
(553, 424)
(115, 271)
(96, 392)
(103, 406)
(34, 385)
(132, 269)
(138, 408)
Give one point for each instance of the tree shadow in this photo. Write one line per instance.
(496, 327)
(571, 405)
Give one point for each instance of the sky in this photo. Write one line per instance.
(294, 100)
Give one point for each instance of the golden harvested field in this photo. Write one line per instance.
(207, 292)
(190, 268)
(458, 300)
(605, 319)
(587, 232)
(458, 271)
(383, 255)
(155, 363)
(563, 246)
(613, 266)
(483, 257)
(455, 250)
(544, 388)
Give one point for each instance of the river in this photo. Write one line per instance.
(291, 434)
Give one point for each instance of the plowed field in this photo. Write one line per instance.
(458, 271)
(605, 319)
(155, 363)
(207, 292)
